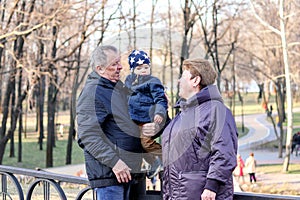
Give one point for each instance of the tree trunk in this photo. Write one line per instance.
(16, 110)
(51, 109)
(134, 24)
(50, 129)
(184, 46)
(3, 137)
(20, 135)
(12, 129)
(20, 118)
(289, 99)
(52, 91)
(151, 28)
(171, 57)
(12, 107)
(233, 84)
(2, 42)
(40, 98)
(280, 115)
(1, 70)
(72, 131)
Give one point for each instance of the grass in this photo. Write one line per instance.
(277, 168)
(296, 119)
(32, 157)
(271, 180)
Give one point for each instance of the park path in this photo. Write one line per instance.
(260, 132)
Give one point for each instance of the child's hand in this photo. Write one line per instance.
(158, 119)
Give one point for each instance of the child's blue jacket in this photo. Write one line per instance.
(147, 98)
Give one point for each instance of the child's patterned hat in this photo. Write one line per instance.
(138, 58)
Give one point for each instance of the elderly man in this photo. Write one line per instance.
(109, 138)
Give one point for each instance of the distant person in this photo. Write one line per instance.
(295, 142)
(278, 121)
(265, 106)
(61, 130)
(271, 109)
(298, 144)
(147, 103)
(250, 165)
(240, 169)
(200, 143)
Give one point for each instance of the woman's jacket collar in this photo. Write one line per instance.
(208, 93)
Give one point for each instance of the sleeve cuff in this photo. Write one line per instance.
(212, 185)
(114, 161)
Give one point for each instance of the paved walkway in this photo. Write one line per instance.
(75, 170)
(261, 131)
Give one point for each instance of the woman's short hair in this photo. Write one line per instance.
(201, 67)
(99, 56)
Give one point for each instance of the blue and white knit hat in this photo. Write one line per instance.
(138, 58)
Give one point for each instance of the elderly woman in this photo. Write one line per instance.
(200, 144)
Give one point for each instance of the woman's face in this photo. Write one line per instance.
(186, 85)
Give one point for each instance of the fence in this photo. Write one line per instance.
(13, 181)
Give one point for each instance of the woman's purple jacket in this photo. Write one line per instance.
(199, 148)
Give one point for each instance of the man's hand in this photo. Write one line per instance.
(208, 195)
(122, 172)
(150, 129)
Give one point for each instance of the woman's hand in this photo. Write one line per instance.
(208, 195)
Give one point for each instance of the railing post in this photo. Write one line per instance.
(46, 190)
(46, 187)
(4, 186)
(4, 192)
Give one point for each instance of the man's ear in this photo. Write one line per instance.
(100, 69)
(197, 81)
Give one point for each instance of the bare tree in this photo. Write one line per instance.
(41, 60)
(154, 2)
(9, 101)
(217, 48)
(282, 33)
(171, 55)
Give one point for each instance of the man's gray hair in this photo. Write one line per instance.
(99, 56)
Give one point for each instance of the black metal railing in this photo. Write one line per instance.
(51, 184)
(46, 180)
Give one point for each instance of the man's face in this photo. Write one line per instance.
(185, 84)
(112, 71)
(142, 70)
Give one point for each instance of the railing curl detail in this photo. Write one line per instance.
(40, 177)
